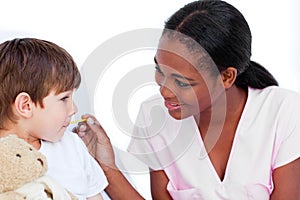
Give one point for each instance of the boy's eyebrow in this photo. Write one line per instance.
(174, 74)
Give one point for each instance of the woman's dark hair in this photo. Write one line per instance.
(224, 33)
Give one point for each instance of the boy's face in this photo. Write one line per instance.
(51, 121)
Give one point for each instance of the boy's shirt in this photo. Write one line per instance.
(71, 165)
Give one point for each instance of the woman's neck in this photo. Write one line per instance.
(227, 109)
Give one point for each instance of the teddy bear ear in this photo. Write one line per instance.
(41, 161)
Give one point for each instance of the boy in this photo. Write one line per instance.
(38, 79)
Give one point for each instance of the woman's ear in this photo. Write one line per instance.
(23, 105)
(228, 77)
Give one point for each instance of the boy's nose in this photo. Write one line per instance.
(74, 109)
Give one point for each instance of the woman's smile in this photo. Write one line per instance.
(173, 106)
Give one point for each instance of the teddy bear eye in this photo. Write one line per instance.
(30, 149)
(18, 155)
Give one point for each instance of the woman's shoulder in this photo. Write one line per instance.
(277, 94)
(274, 101)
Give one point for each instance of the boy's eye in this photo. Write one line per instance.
(181, 84)
(64, 98)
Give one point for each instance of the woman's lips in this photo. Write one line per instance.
(172, 106)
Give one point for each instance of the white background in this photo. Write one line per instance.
(81, 26)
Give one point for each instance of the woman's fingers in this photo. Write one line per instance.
(95, 126)
(96, 139)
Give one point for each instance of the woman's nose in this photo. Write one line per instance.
(166, 91)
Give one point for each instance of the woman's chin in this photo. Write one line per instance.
(177, 115)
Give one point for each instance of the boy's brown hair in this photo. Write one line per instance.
(36, 67)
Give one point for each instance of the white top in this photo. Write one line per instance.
(71, 165)
(266, 138)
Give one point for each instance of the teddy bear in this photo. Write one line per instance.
(22, 173)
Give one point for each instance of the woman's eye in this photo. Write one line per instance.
(181, 84)
(158, 70)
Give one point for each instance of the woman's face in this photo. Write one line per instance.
(187, 91)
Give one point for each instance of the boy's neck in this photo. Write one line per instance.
(35, 142)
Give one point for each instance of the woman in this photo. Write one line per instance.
(229, 131)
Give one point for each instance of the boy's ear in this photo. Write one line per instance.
(228, 77)
(24, 105)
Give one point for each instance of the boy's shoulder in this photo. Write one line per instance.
(69, 140)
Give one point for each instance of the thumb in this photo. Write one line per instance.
(96, 127)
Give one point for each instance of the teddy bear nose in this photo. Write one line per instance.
(41, 161)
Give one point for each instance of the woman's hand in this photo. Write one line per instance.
(97, 141)
(100, 147)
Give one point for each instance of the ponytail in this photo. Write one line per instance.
(255, 76)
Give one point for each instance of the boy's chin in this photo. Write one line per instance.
(57, 137)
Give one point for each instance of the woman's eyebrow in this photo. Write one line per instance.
(175, 74)
(155, 61)
(181, 77)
